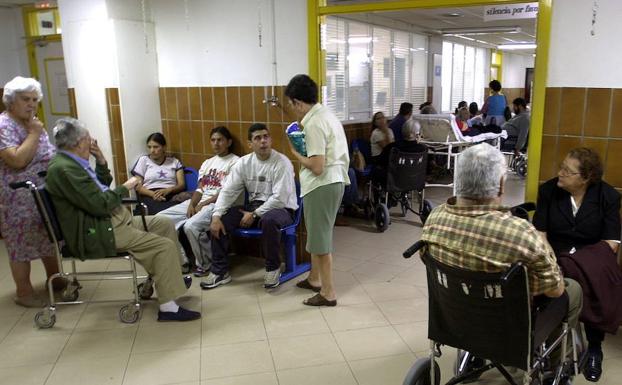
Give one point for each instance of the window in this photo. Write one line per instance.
(463, 75)
(371, 69)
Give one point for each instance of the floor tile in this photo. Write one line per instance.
(25, 375)
(333, 374)
(372, 342)
(229, 307)
(38, 350)
(350, 317)
(351, 295)
(382, 370)
(283, 300)
(251, 379)
(103, 370)
(389, 291)
(90, 345)
(164, 367)
(415, 334)
(222, 331)
(102, 316)
(167, 336)
(6, 324)
(405, 310)
(295, 352)
(236, 359)
(297, 323)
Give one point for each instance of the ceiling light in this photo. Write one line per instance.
(452, 14)
(478, 30)
(510, 47)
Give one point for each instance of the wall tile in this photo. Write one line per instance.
(194, 98)
(233, 104)
(260, 108)
(207, 148)
(277, 132)
(616, 112)
(220, 104)
(197, 137)
(565, 144)
(207, 103)
(597, 112)
(114, 96)
(275, 113)
(599, 145)
(162, 98)
(183, 107)
(571, 116)
(117, 129)
(174, 139)
(548, 158)
(185, 133)
(613, 176)
(171, 103)
(246, 104)
(165, 128)
(552, 110)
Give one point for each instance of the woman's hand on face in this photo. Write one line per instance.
(34, 126)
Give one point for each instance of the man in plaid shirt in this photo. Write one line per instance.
(474, 231)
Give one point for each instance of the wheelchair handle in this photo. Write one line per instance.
(413, 249)
(18, 185)
(514, 269)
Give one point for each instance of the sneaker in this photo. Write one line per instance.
(201, 272)
(214, 280)
(272, 279)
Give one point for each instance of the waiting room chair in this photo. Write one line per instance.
(289, 237)
(191, 177)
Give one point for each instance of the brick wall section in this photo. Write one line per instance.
(116, 135)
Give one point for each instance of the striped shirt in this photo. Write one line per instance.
(488, 238)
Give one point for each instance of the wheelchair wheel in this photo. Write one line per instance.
(521, 168)
(426, 209)
(129, 313)
(382, 218)
(419, 373)
(45, 319)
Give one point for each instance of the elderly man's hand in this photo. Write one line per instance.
(131, 183)
(216, 227)
(97, 152)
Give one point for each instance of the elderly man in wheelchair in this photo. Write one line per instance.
(495, 290)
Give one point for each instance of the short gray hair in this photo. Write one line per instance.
(68, 132)
(20, 84)
(479, 171)
(410, 129)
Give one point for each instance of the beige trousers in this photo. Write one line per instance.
(157, 250)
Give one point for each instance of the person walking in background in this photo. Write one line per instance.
(406, 111)
(323, 176)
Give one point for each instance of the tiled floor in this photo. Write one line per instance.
(248, 335)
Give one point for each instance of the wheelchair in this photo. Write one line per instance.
(492, 316)
(516, 163)
(404, 180)
(46, 318)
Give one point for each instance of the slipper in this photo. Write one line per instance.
(304, 284)
(319, 300)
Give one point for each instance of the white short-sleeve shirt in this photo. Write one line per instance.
(157, 176)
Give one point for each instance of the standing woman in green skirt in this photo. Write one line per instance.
(323, 176)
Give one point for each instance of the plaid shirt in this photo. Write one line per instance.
(488, 238)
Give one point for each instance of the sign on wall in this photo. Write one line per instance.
(511, 11)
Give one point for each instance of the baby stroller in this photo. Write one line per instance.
(399, 184)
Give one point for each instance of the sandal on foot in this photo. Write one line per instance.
(305, 284)
(319, 300)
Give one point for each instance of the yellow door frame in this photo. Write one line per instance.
(316, 10)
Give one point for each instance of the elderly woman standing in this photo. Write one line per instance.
(25, 150)
(323, 176)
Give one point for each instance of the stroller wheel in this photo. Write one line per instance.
(382, 218)
(419, 373)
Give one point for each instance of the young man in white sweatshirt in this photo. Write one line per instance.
(268, 177)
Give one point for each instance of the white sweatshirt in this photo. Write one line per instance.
(270, 181)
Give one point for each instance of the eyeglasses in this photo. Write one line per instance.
(565, 171)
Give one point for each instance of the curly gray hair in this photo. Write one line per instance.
(20, 84)
(479, 171)
(68, 132)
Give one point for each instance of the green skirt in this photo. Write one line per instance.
(320, 209)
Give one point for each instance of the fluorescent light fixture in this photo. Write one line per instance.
(479, 30)
(511, 47)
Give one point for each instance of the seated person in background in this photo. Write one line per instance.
(423, 105)
(475, 116)
(462, 104)
(161, 176)
(381, 135)
(96, 225)
(405, 112)
(195, 214)
(473, 231)
(473, 110)
(268, 177)
(410, 133)
(429, 109)
(517, 128)
(575, 210)
(462, 118)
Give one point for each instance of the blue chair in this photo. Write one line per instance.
(288, 236)
(191, 176)
(365, 148)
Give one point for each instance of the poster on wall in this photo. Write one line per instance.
(56, 81)
(511, 11)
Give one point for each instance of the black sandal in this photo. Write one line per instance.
(319, 300)
(305, 284)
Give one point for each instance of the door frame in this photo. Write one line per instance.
(317, 10)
